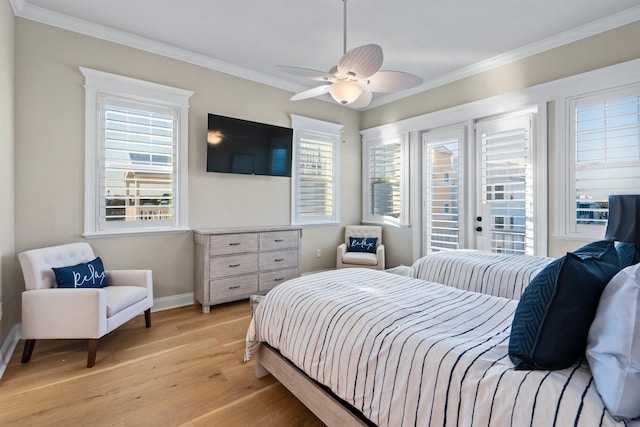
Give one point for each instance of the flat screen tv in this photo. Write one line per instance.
(245, 147)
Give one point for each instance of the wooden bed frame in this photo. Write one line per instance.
(322, 403)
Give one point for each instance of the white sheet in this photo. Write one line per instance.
(407, 352)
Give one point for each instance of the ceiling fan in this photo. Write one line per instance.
(355, 78)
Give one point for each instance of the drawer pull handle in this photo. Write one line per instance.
(279, 259)
(234, 287)
(234, 244)
(279, 240)
(234, 265)
(278, 279)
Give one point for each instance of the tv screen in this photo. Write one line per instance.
(242, 146)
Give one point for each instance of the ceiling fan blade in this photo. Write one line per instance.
(305, 73)
(362, 61)
(310, 93)
(391, 81)
(363, 100)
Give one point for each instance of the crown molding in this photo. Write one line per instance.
(26, 10)
(596, 27)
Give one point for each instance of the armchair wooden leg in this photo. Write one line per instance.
(93, 349)
(147, 317)
(28, 349)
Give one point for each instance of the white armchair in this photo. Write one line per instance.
(67, 313)
(346, 258)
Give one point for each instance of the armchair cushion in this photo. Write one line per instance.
(360, 258)
(363, 244)
(84, 275)
(121, 297)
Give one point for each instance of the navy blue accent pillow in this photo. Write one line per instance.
(363, 244)
(629, 253)
(85, 275)
(552, 320)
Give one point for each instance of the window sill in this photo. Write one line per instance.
(133, 232)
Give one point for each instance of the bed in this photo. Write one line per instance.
(364, 347)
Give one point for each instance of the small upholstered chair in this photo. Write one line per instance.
(52, 312)
(356, 252)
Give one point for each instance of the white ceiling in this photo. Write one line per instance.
(438, 40)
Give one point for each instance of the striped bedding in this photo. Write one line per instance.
(408, 352)
(495, 274)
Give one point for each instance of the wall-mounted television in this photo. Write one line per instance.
(245, 147)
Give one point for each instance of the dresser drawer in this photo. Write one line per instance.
(233, 287)
(271, 279)
(278, 259)
(273, 240)
(232, 265)
(225, 244)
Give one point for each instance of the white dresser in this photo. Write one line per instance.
(235, 263)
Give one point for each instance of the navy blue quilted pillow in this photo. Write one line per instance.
(552, 320)
(629, 253)
(363, 244)
(85, 275)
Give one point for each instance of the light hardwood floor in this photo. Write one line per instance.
(186, 370)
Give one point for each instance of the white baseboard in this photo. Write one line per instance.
(9, 346)
(173, 301)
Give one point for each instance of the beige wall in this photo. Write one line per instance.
(50, 154)
(8, 295)
(612, 47)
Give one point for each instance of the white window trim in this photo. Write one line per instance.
(604, 80)
(390, 138)
(301, 124)
(99, 83)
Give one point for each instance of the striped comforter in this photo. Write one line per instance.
(495, 274)
(408, 352)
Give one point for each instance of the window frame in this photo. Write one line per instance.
(331, 132)
(368, 143)
(594, 85)
(99, 84)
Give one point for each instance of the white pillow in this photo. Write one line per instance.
(613, 346)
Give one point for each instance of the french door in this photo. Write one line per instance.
(484, 202)
(504, 202)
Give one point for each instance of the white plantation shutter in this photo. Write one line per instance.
(385, 180)
(315, 171)
(384, 176)
(506, 185)
(139, 147)
(442, 191)
(316, 176)
(605, 131)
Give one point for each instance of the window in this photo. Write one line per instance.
(604, 156)
(315, 174)
(136, 155)
(385, 180)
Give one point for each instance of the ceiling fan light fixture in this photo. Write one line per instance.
(345, 91)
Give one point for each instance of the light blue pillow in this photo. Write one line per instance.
(84, 275)
(552, 320)
(613, 345)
